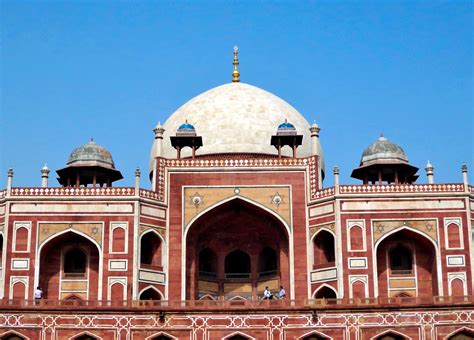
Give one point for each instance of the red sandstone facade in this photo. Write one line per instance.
(332, 244)
(190, 259)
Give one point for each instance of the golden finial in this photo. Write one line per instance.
(236, 73)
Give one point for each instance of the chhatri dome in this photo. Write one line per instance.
(385, 161)
(235, 118)
(89, 164)
(383, 150)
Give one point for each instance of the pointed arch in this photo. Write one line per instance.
(324, 249)
(10, 335)
(323, 229)
(161, 336)
(237, 264)
(88, 238)
(316, 335)
(390, 332)
(457, 334)
(238, 335)
(162, 245)
(207, 297)
(150, 287)
(284, 228)
(237, 198)
(324, 285)
(396, 230)
(237, 298)
(85, 336)
(77, 232)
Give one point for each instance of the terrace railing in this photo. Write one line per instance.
(275, 304)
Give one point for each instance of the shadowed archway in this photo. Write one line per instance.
(69, 267)
(251, 250)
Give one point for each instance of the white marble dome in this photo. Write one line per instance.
(235, 118)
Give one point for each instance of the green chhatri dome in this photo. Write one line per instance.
(91, 154)
(383, 150)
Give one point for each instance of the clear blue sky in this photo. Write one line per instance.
(113, 69)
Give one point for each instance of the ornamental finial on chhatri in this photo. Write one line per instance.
(236, 73)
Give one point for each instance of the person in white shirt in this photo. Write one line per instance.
(281, 293)
(38, 293)
(267, 295)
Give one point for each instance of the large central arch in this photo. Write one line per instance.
(236, 249)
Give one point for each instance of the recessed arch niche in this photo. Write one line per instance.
(229, 249)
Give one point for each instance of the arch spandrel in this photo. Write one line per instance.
(198, 199)
(328, 226)
(159, 230)
(93, 230)
(383, 227)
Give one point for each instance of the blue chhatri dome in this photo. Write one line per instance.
(186, 126)
(186, 129)
(286, 128)
(286, 125)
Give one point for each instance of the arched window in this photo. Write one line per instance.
(356, 238)
(238, 337)
(237, 264)
(267, 262)
(464, 334)
(457, 287)
(401, 262)
(117, 292)
(19, 290)
(324, 254)
(150, 251)
(75, 262)
(207, 263)
(150, 294)
(358, 290)
(21, 239)
(454, 238)
(86, 337)
(390, 336)
(314, 337)
(12, 336)
(161, 337)
(118, 240)
(325, 293)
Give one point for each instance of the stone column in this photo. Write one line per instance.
(157, 151)
(429, 172)
(336, 178)
(137, 180)
(44, 176)
(9, 180)
(464, 174)
(317, 150)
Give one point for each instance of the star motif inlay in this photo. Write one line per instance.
(196, 199)
(276, 199)
(380, 228)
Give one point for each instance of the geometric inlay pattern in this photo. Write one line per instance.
(94, 230)
(427, 227)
